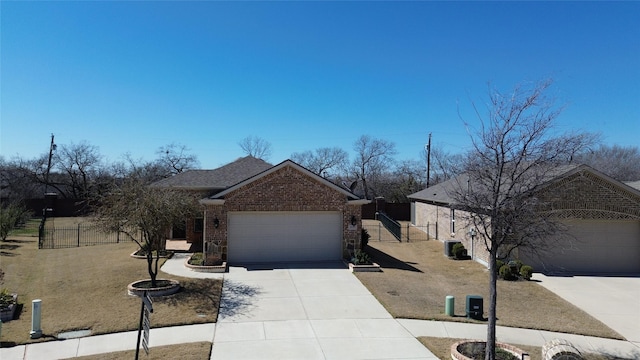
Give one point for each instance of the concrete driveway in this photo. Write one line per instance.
(318, 311)
(615, 301)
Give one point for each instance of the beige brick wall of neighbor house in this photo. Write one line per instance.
(581, 196)
(439, 221)
(585, 196)
(284, 190)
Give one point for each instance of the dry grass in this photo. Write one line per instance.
(191, 351)
(85, 288)
(417, 277)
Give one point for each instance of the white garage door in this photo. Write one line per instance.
(599, 247)
(256, 237)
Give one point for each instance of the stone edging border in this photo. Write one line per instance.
(207, 269)
(173, 288)
(455, 355)
(133, 255)
(10, 312)
(363, 268)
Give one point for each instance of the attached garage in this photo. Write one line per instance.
(282, 236)
(602, 216)
(283, 214)
(596, 247)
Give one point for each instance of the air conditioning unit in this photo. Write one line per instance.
(448, 246)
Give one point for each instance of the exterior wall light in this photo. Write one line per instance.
(216, 222)
(353, 220)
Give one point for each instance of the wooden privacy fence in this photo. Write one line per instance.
(82, 234)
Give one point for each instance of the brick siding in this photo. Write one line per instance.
(583, 196)
(286, 189)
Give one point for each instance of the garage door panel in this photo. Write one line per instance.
(598, 247)
(284, 236)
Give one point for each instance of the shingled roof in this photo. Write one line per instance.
(216, 179)
(443, 193)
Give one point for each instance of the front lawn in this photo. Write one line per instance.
(417, 277)
(85, 288)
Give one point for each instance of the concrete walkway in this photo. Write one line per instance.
(301, 312)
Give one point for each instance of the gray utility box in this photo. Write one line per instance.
(474, 307)
(448, 247)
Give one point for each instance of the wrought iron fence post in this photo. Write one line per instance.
(41, 233)
(408, 231)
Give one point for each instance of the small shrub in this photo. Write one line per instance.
(458, 251)
(515, 264)
(6, 299)
(196, 259)
(364, 239)
(506, 274)
(526, 272)
(361, 258)
(499, 264)
(12, 215)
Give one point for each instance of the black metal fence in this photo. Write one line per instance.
(391, 225)
(83, 234)
(408, 232)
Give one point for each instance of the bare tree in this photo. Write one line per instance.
(323, 161)
(132, 207)
(80, 163)
(408, 177)
(514, 154)
(20, 180)
(444, 165)
(175, 158)
(256, 147)
(620, 162)
(373, 158)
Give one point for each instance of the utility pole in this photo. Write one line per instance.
(46, 177)
(428, 159)
(52, 147)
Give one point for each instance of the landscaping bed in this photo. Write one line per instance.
(92, 281)
(417, 277)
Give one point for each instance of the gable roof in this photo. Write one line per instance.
(289, 163)
(442, 193)
(216, 179)
(633, 184)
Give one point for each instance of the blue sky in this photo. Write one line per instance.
(132, 76)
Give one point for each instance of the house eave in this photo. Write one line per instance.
(275, 168)
(359, 202)
(209, 201)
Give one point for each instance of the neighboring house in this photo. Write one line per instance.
(256, 212)
(602, 217)
(205, 183)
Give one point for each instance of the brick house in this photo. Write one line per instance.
(601, 214)
(256, 212)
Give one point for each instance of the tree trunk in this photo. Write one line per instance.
(152, 274)
(364, 186)
(490, 351)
